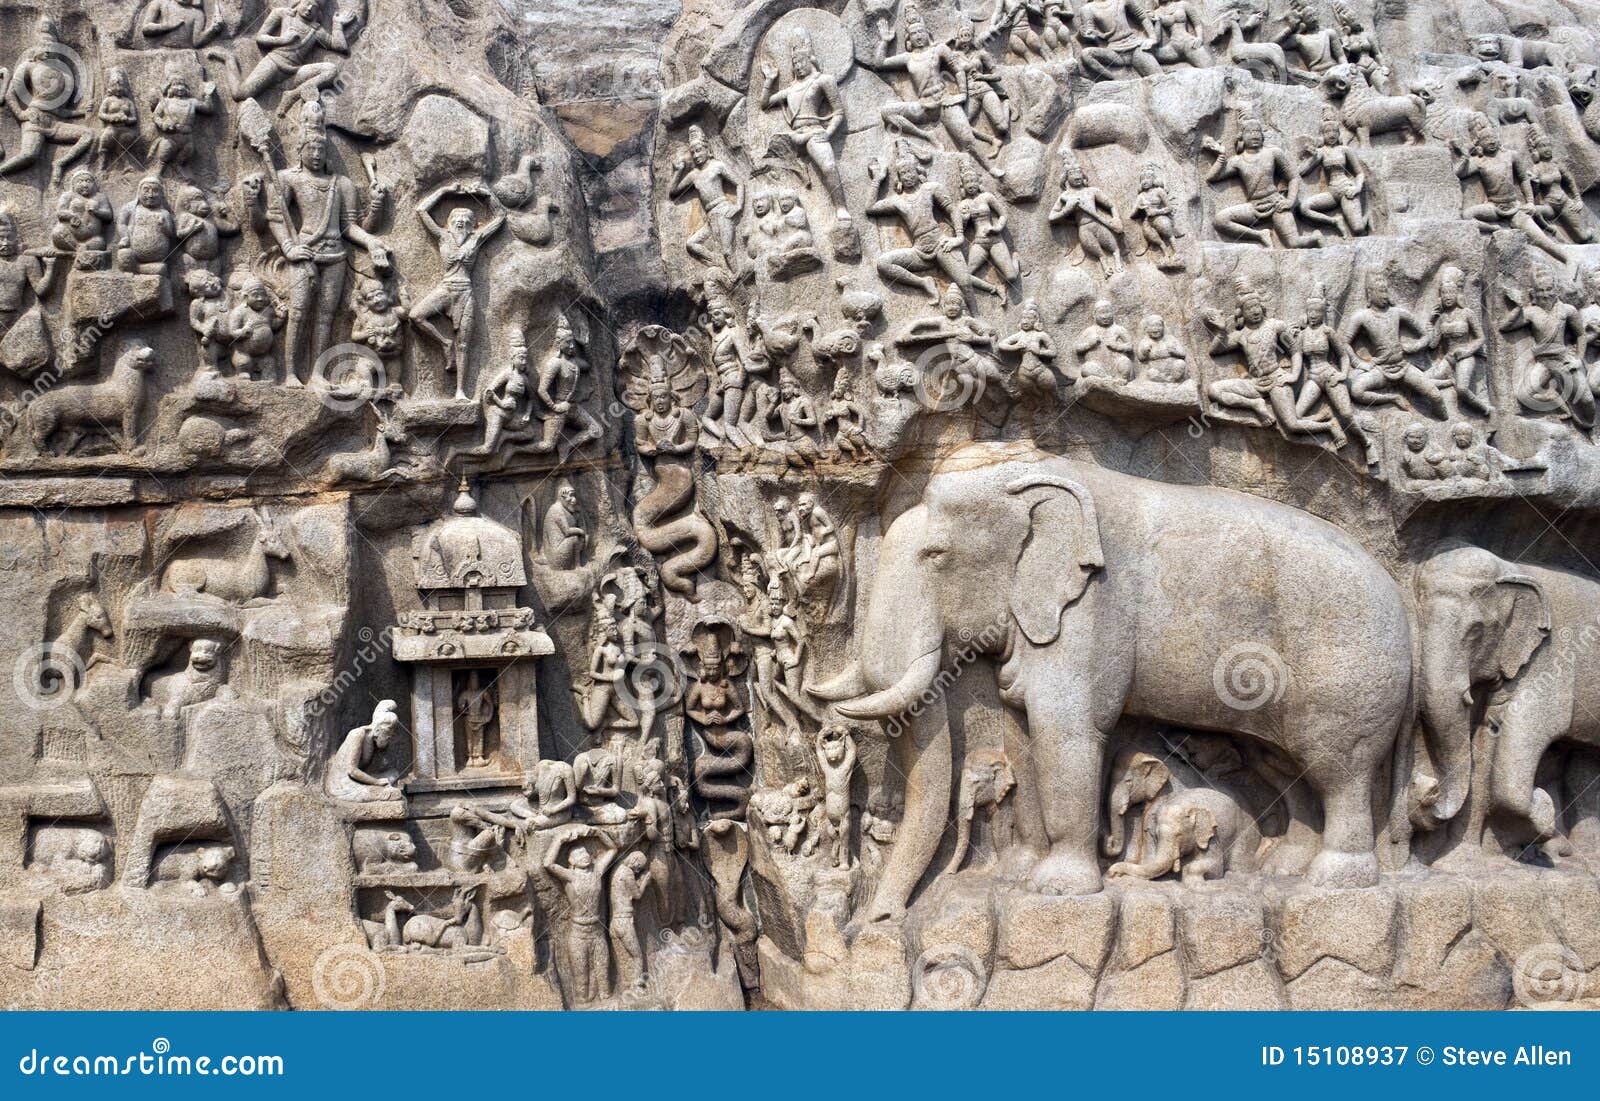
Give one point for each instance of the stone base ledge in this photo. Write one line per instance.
(1417, 941)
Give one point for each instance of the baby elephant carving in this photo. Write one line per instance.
(985, 782)
(1198, 832)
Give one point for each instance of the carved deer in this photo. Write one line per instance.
(1264, 60)
(387, 933)
(376, 461)
(84, 629)
(460, 927)
(233, 582)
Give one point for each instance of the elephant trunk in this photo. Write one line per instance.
(924, 759)
(902, 637)
(1117, 804)
(1447, 729)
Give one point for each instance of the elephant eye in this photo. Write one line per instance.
(934, 554)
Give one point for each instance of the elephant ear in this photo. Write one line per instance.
(1202, 826)
(1061, 551)
(1527, 622)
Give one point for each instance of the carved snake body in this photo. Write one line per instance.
(728, 753)
(688, 540)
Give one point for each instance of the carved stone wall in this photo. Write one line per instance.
(878, 503)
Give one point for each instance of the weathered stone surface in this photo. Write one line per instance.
(1034, 930)
(1220, 931)
(1355, 927)
(512, 504)
(1157, 983)
(1250, 986)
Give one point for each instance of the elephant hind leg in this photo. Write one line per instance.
(1347, 858)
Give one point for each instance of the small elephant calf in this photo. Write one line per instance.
(1198, 832)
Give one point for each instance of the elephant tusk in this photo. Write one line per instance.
(899, 698)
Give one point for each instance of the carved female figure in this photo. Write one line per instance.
(1555, 190)
(1152, 210)
(119, 119)
(1456, 337)
(985, 215)
(978, 77)
(1321, 359)
(1344, 181)
(848, 416)
(1179, 34)
(1092, 213)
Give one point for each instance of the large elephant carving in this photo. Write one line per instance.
(1103, 596)
(1506, 642)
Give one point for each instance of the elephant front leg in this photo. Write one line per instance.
(1069, 753)
(1520, 742)
(923, 756)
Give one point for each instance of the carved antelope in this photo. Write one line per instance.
(387, 933)
(1264, 60)
(375, 462)
(83, 630)
(233, 582)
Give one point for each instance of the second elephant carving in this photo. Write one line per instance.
(1103, 595)
(1508, 639)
